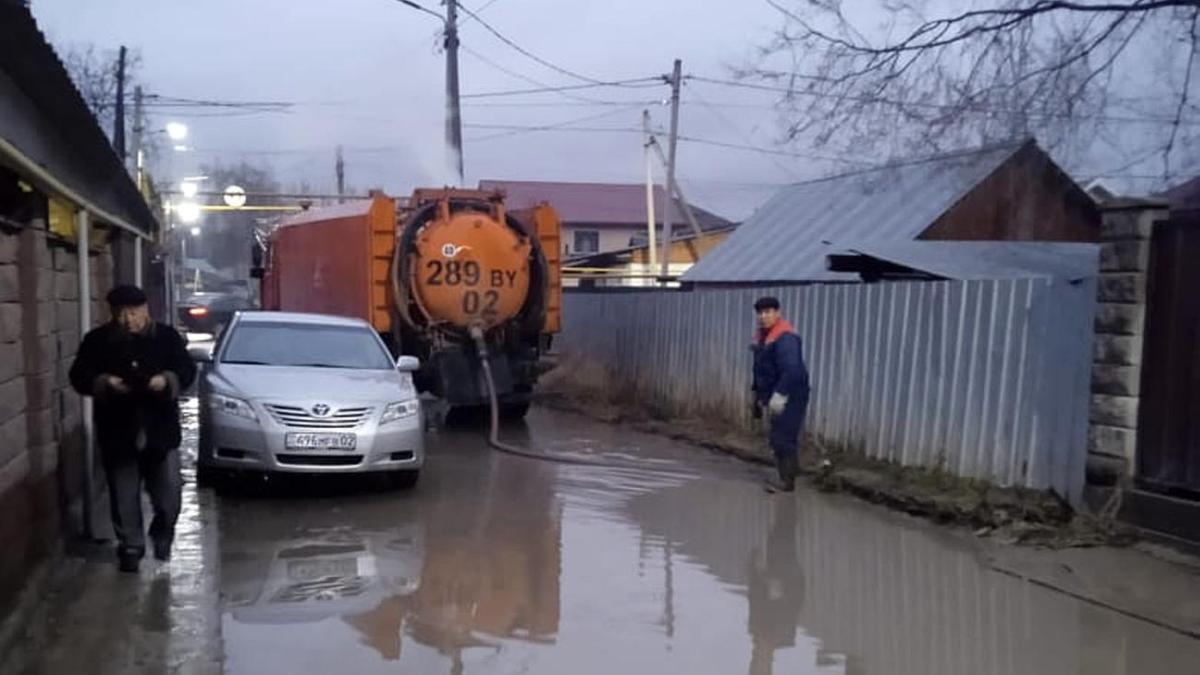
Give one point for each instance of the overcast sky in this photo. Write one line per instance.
(368, 74)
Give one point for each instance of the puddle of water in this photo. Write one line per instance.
(498, 564)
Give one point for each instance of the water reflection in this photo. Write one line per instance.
(498, 564)
(468, 561)
(774, 590)
(875, 593)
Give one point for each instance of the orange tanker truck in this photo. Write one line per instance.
(431, 274)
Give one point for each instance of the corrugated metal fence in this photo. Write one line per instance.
(983, 379)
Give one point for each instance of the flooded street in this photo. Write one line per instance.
(500, 564)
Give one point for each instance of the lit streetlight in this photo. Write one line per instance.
(189, 212)
(178, 131)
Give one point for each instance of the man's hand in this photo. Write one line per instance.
(777, 403)
(157, 384)
(116, 384)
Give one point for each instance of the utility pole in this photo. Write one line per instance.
(677, 191)
(139, 128)
(119, 113)
(650, 224)
(453, 111)
(668, 208)
(340, 168)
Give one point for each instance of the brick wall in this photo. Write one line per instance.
(1120, 327)
(41, 464)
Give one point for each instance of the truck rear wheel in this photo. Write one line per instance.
(513, 412)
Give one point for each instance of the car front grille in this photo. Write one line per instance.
(319, 460)
(296, 416)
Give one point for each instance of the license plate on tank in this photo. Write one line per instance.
(317, 441)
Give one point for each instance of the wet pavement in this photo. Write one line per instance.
(501, 564)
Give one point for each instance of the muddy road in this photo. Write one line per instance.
(500, 564)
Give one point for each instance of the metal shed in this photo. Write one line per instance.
(1012, 191)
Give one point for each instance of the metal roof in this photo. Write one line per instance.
(622, 204)
(45, 124)
(787, 239)
(973, 260)
(351, 209)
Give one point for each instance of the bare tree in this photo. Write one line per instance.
(1095, 81)
(94, 72)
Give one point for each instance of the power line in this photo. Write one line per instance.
(738, 130)
(519, 76)
(513, 130)
(640, 82)
(567, 104)
(967, 108)
(522, 128)
(526, 52)
(481, 10)
(770, 151)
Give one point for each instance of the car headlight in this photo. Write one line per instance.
(229, 405)
(400, 410)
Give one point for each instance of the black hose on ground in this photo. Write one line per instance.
(494, 430)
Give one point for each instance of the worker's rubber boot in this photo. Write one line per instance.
(787, 469)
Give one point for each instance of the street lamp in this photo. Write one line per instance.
(189, 212)
(176, 130)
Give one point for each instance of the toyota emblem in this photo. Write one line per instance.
(320, 410)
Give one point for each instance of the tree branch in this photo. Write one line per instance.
(1183, 98)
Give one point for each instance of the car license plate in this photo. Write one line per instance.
(318, 441)
(308, 570)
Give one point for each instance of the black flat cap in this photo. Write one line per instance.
(766, 302)
(126, 295)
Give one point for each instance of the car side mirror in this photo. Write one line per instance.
(256, 273)
(408, 364)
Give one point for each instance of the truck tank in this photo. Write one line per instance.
(425, 273)
(464, 261)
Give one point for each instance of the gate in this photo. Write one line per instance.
(1168, 457)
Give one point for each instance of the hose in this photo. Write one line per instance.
(494, 430)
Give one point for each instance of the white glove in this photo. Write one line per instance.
(777, 403)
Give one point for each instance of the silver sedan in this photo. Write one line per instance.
(284, 392)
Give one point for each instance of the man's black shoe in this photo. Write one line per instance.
(162, 550)
(128, 561)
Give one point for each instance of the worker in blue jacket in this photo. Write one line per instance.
(780, 388)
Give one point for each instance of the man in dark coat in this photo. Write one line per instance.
(780, 387)
(135, 369)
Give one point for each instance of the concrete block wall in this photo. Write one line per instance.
(41, 458)
(1120, 328)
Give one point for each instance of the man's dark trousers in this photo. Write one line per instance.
(126, 472)
(785, 428)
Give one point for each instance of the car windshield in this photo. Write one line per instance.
(301, 344)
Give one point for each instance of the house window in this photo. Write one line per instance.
(587, 241)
